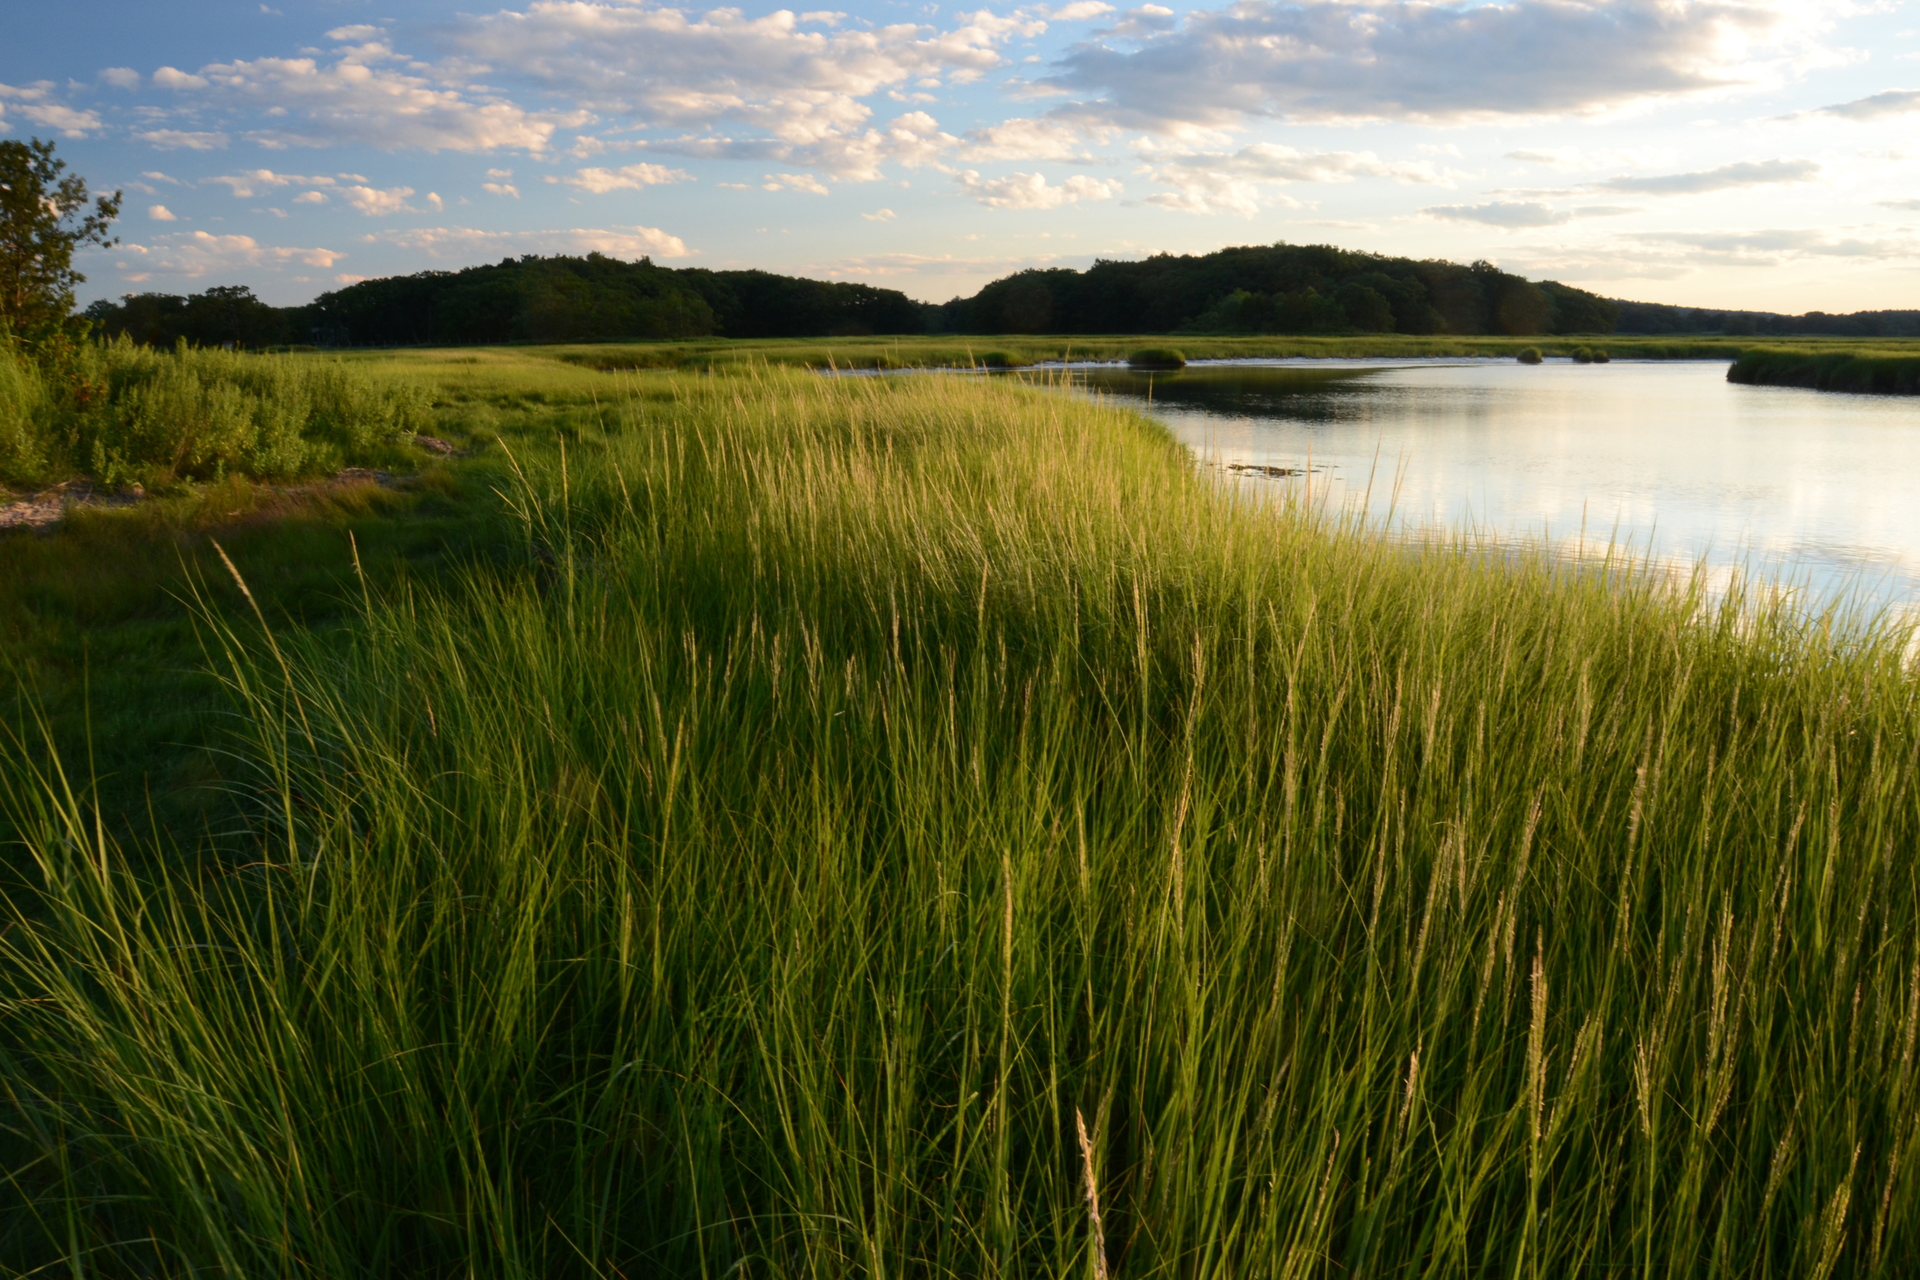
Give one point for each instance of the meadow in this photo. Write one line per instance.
(927, 827)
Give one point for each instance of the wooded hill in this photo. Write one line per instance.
(1278, 289)
(530, 299)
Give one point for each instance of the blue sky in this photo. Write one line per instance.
(1753, 153)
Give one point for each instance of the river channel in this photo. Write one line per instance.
(1668, 460)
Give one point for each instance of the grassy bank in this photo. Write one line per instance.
(1868, 370)
(867, 815)
(94, 614)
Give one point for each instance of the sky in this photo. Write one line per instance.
(1759, 154)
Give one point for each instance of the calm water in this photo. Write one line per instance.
(1668, 458)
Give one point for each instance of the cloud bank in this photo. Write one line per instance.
(1404, 59)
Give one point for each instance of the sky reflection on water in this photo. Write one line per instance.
(1667, 458)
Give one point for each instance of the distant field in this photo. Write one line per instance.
(762, 825)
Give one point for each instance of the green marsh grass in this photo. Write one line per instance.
(860, 789)
(1889, 370)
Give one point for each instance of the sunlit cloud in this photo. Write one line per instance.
(1031, 190)
(630, 177)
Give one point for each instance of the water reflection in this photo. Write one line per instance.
(1667, 458)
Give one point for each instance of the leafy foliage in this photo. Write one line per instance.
(43, 218)
(123, 412)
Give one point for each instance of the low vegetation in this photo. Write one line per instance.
(1874, 370)
(1157, 358)
(856, 826)
(122, 413)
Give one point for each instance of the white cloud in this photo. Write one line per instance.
(1774, 246)
(174, 78)
(1581, 160)
(251, 182)
(358, 100)
(793, 182)
(1081, 11)
(1507, 214)
(1408, 59)
(913, 140)
(798, 90)
(470, 244)
(160, 213)
(1879, 106)
(1906, 206)
(182, 140)
(354, 34)
(1030, 190)
(1222, 182)
(506, 189)
(376, 202)
(197, 253)
(1516, 215)
(880, 215)
(1022, 138)
(311, 197)
(1725, 178)
(121, 77)
(629, 177)
(35, 102)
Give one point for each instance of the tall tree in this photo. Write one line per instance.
(44, 216)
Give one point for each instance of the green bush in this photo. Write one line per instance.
(1157, 358)
(119, 411)
(22, 401)
(1528, 355)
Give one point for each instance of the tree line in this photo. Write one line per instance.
(1264, 289)
(1279, 288)
(1660, 317)
(527, 299)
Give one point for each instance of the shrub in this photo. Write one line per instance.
(1528, 355)
(119, 411)
(1157, 358)
(22, 400)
